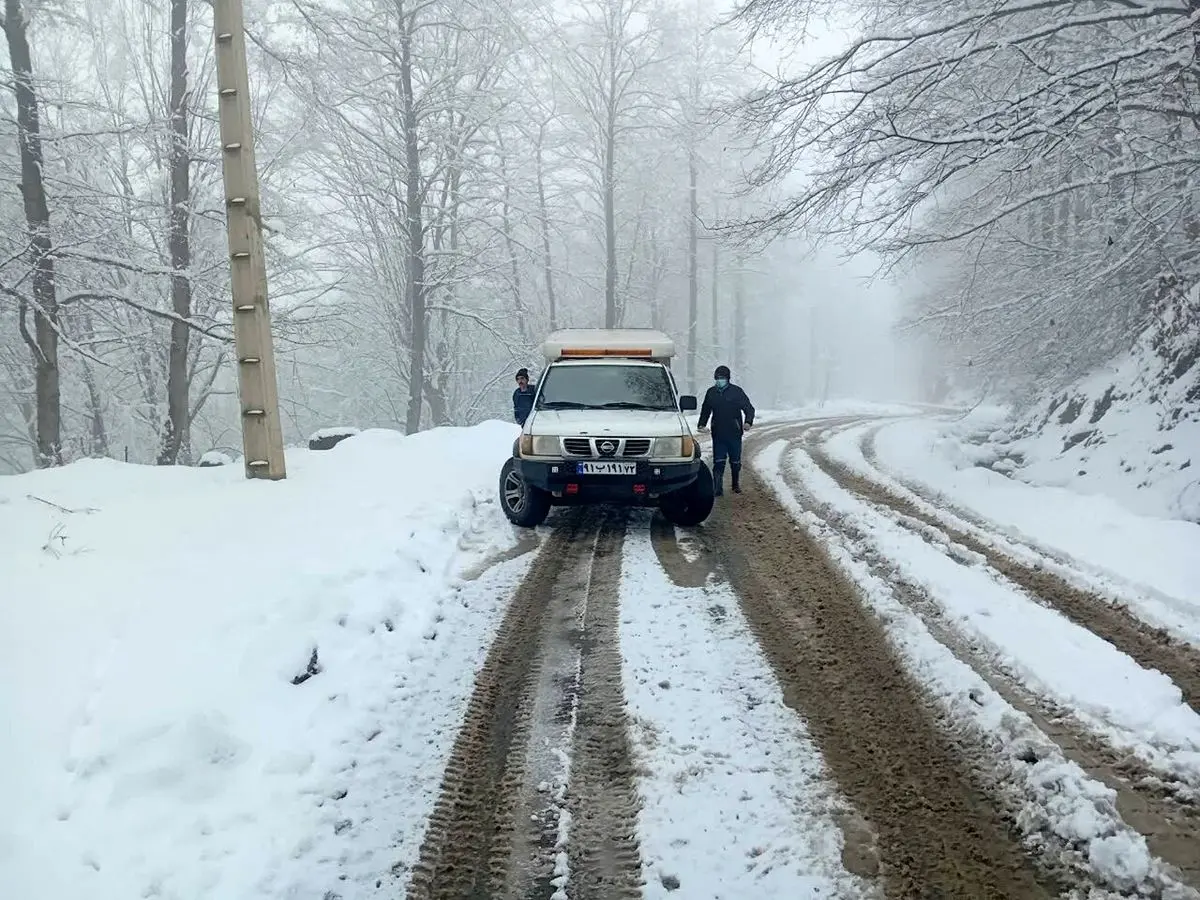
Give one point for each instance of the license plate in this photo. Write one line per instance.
(606, 468)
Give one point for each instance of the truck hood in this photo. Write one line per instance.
(618, 422)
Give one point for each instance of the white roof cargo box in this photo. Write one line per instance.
(591, 343)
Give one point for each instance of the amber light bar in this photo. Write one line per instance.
(603, 351)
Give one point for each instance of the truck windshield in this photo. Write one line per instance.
(606, 387)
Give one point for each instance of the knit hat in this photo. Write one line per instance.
(722, 372)
(522, 373)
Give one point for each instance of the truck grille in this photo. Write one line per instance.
(590, 446)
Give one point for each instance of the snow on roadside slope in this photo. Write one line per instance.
(150, 641)
(1104, 536)
(1054, 799)
(1129, 429)
(728, 771)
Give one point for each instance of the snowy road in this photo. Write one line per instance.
(832, 689)
(872, 675)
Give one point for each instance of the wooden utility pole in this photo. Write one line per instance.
(262, 434)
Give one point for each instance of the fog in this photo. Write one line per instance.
(441, 188)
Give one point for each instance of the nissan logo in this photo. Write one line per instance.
(608, 447)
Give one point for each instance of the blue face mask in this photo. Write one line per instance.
(722, 383)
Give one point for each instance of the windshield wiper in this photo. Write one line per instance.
(630, 404)
(565, 404)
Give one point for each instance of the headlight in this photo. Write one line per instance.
(673, 447)
(544, 445)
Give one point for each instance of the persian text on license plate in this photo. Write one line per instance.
(606, 468)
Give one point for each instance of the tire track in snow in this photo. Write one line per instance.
(683, 572)
(1161, 612)
(605, 862)
(544, 730)
(1170, 823)
(937, 832)
(1151, 648)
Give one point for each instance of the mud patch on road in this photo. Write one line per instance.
(935, 828)
(683, 572)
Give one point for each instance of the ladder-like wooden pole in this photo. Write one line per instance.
(262, 434)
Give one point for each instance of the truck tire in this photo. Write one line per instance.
(690, 506)
(525, 506)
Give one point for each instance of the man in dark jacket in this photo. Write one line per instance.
(523, 397)
(726, 404)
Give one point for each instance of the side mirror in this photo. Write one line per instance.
(687, 403)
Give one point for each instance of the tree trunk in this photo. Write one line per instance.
(610, 226)
(43, 344)
(739, 315)
(437, 385)
(95, 404)
(415, 283)
(177, 428)
(656, 316)
(813, 350)
(716, 305)
(693, 285)
(510, 244)
(546, 262)
(439, 408)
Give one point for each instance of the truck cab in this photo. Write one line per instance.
(607, 426)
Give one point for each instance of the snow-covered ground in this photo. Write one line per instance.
(241, 689)
(207, 679)
(1146, 552)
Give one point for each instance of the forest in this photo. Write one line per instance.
(444, 181)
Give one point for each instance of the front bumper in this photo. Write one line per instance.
(560, 479)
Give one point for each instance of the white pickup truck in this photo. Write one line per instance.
(607, 426)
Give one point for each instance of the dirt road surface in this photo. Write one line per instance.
(540, 796)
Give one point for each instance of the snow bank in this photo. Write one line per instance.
(196, 667)
(1158, 553)
(1112, 435)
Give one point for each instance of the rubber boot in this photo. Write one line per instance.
(718, 479)
(735, 470)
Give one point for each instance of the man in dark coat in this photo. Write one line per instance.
(732, 414)
(523, 397)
